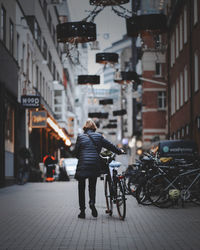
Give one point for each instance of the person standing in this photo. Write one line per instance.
(87, 149)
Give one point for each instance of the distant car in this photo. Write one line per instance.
(70, 165)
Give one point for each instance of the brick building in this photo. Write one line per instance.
(183, 69)
(154, 105)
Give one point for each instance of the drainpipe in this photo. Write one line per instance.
(168, 87)
(191, 64)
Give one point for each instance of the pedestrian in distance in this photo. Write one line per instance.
(87, 149)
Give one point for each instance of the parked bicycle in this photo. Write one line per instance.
(180, 181)
(114, 187)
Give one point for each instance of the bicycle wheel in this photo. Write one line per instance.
(195, 192)
(120, 200)
(108, 195)
(158, 192)
(142, 195)
(132, 185)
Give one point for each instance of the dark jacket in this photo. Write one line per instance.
(88, 154)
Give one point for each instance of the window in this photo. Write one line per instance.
(181, 89)
(187, 129)
(172, 50)
(195, 11)
(9, 128)
(161, 99)
(58, 109)
(17, 49)
(49, 21)
(177, 49)
(196, 72)
(50, 61)
(37, 77)
(37, 33)
(40, 82)
(23, 58)
(58, 92)
(182, 132)
(181, 33)
(177, 95)
(185, 25)
(44, 49)
(3, 24)
(173, 100)
(11, 37)
(54, 71)
(185, 84)
(158, 69)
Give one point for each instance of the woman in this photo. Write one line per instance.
(87, 149)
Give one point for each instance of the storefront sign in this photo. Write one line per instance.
(30, 101)
(38, 119)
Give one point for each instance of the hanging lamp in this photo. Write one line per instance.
(119, 112)
(88, 79)
(106, 101)
(108, 2)
(105, 58)
(125, 77)
(76, 32)
(98, 115)
(156, 23)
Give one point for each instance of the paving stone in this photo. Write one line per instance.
(44, 216)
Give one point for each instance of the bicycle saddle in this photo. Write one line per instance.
(114, 164)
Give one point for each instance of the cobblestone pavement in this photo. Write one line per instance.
(44, 216)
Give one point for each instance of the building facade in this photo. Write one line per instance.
(183, 70)
(154, 88)
(31, 64)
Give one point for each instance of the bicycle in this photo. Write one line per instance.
(175, 180)
(114, 188)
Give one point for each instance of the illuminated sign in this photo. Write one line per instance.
(38, 119)
(30, 101)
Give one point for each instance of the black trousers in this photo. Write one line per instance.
(92, 191)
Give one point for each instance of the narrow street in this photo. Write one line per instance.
(44, 216)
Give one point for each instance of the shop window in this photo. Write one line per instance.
(9, 128)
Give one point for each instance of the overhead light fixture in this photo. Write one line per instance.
(108, 2)
(156, 23)
(76, 32)
(106, 101)
(98, 115)
(119, 112)
(125, 77)
(105, 58)
(88, 79)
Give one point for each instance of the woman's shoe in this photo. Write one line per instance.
(94, 211)
(82, 215)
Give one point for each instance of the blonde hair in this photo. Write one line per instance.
(89, 124)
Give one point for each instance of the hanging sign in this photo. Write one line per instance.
(38, 119)
(30, 101)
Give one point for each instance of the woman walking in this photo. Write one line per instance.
(87, 149)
